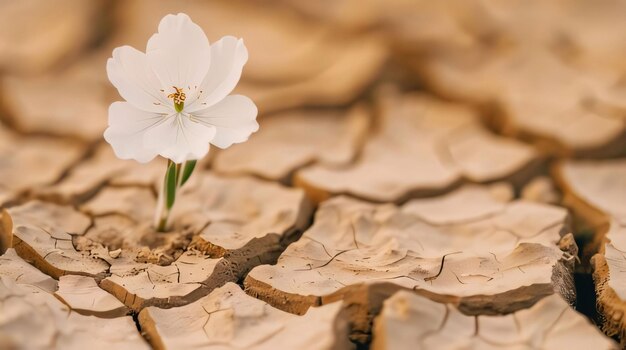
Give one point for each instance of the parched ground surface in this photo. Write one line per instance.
(427, 175)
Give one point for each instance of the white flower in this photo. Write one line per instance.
(177, 95)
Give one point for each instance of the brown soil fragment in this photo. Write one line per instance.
(582, 119)
(102, 168)
(135, 203)
(435, 145)
(190, 277)
(28, 304)
(409, 321)
(232, 212)
(229, 319)
(291, 140)
(83, 295)
(6, 231)
(13, 267)
(29, 163)
(408, 25)
(56, 105)
(595, 190)
(42, 234)
(488, 258)
(32, 38)
(587, 35)
(542, 190)
(353, 70)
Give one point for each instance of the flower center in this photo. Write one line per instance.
(179, 99)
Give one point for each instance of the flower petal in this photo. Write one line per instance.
(129, 72)
(125, 133)
(228, 56)
(179, 53)
(234, 117)
(179, 138)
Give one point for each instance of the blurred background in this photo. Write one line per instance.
(508, 86)
(330, 79)
(546, 65)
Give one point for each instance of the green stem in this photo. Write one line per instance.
(162, 225)
(161, 215)
(175, 176)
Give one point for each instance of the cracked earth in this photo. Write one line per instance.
(427, 175)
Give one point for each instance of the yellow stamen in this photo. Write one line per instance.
(179, 98)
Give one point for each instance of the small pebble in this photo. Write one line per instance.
(115, 253)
